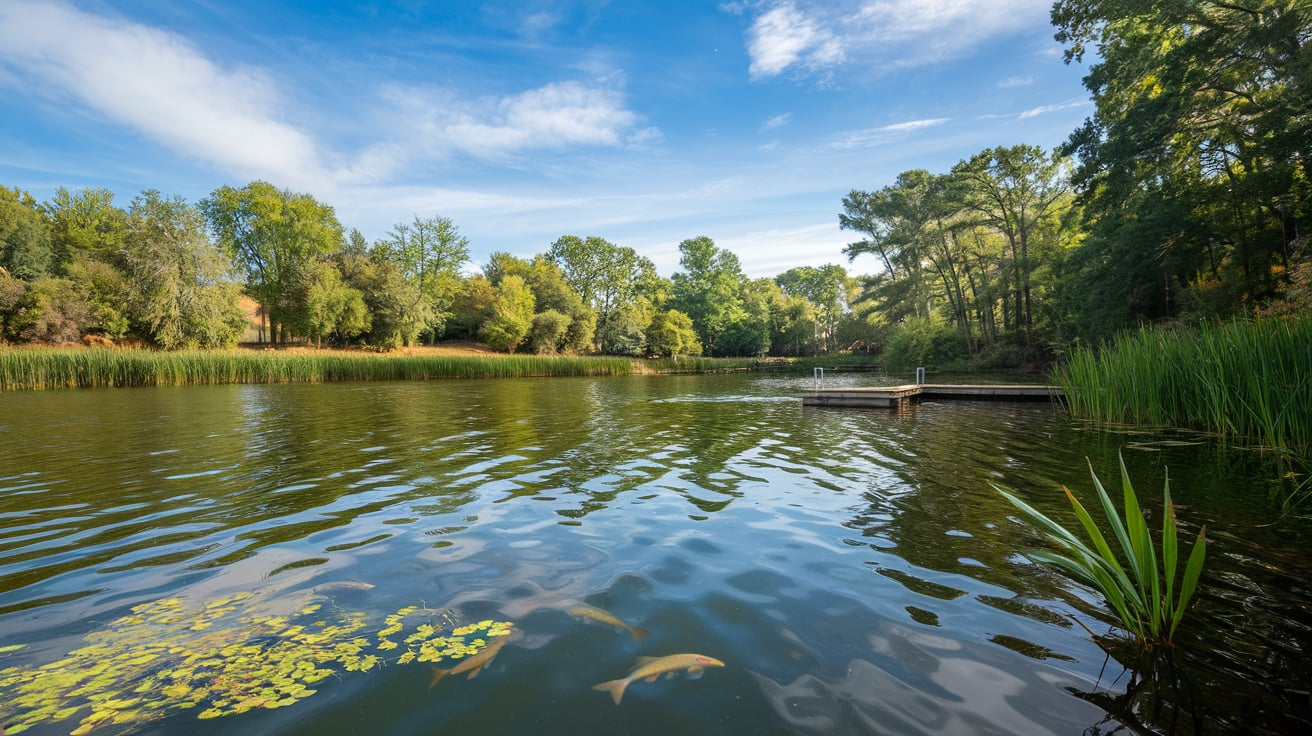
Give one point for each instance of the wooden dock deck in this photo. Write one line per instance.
(892, 396)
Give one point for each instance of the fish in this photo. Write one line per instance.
(606, 617)
(341, 585)
(474, 663)
(649, 669)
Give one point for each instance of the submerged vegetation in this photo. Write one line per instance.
(223, 657)
(1143, 593)
(1245, 379)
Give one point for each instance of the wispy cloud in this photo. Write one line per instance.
(1045, 109)
(1015, 82)
(776, 121)
(238, 120)
(814, 36)
(871, 137)
(557, 115)
(785, 36)
(157, 83)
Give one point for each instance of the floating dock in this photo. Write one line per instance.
(894, 396)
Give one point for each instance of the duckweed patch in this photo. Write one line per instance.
(224, 657)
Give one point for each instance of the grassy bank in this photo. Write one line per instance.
(1240, 379)
(47, 368)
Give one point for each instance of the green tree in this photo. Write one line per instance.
(276, 236)
(551, 292)
(512, 315)
(731, 317)
(826, 289)
(1192, 167)
(794, 325)
(430, 253)
(608, 278)
(1022, 193)
(180, 286)
(472, 307)
(107, 293)
(397, 309)
(84, 224)
(334, 309)
(547, 333)
(24, 236)
(12, 291)
(671, 333)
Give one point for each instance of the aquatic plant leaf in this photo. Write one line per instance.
(223, 656)
(1139, 592)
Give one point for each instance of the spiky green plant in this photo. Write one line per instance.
(1143, 593)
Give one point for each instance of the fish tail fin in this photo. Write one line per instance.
(438, 674)
(639, 634)
(614, 687)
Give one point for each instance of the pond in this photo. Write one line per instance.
(852, 569)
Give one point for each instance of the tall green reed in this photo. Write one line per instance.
(49, 368)
(1142, 592)
(1246, 379)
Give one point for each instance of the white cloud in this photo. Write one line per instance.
(1045, 109)
(777, 250)
(557, 115)
(871, 137)
(784, 36)
(1015, 82)
(816, 36)
(777, 121)
(162, 86)
(157, 83)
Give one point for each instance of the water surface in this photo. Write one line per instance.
(852, 568)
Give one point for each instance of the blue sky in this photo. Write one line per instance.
(644, 123)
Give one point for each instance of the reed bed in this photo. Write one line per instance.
(699, 365)
(1248, 379)
(52, 368)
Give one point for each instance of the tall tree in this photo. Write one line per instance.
(1020, 192)
(276, 236)
(181, 291)
(86, 224)
(24, 236)
(551, 293)
(1193, 165)
(430, 253)
(730, 317)
(825, 287)
(512, 315)
(609, 278)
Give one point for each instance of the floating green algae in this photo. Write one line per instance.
(226, 656)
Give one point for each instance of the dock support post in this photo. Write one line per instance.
(920, 376)
(817, 375)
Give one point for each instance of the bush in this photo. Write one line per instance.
(924, 342)
(51, 311)
(547, 332)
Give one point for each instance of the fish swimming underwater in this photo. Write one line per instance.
(649, 669)
(474, 663)
(606, 617)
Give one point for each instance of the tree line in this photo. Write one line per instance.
(1183, 196)
(170, 274)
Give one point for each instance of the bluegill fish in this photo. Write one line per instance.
(474, 663)
(606, 617)
(649, 669)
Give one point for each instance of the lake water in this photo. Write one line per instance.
(852, 569)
